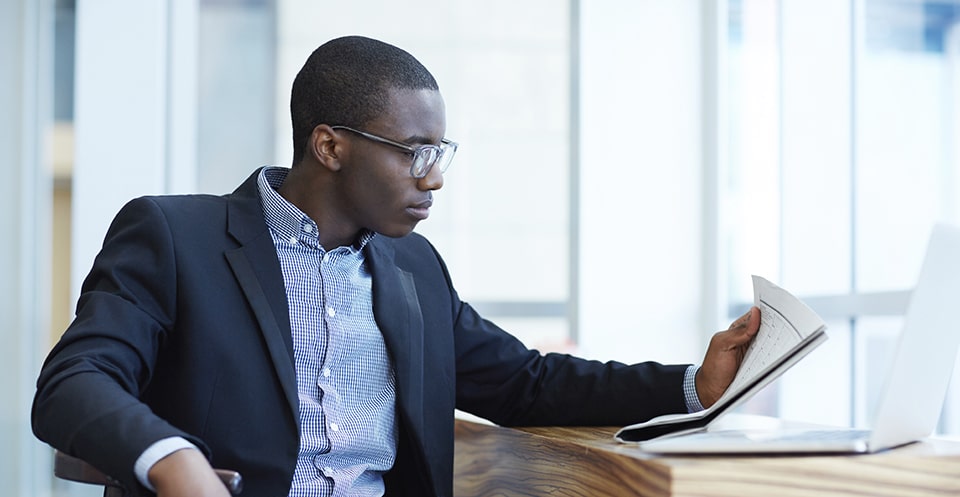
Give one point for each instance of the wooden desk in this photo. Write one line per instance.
(568, 462)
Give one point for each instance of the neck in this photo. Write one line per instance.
(315, 196)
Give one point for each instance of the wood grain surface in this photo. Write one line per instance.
(581, 461)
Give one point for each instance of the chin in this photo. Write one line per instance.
(397, 232)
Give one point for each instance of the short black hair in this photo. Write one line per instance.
(345, 82)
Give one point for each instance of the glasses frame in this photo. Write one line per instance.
(419, 152)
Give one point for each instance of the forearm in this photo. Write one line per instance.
(186, 473)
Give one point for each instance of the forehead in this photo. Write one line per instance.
(412, 116)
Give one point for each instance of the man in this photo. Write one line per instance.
(297, 331)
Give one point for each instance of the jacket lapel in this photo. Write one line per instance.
(258, 273)
(396, 309)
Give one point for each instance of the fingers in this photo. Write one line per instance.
(743, 321)
(740, 331)
(749, 323)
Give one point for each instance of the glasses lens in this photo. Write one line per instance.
(447, 151)
(423, 160)
(430, 156)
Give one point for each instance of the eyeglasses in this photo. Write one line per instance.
(425, 157)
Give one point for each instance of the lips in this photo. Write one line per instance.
(421, 210)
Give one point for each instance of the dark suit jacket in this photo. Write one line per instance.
(182, 329)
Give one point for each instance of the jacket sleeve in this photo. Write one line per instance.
(503, 381)
(87, 401)
(500, 379)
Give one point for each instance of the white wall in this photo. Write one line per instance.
(134, 117)
(641, 174)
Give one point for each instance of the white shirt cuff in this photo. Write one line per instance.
(154, 453)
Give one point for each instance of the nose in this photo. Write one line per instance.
(432, 181)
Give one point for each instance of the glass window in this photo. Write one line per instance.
(906, 166)
(236, 63)
(843, 118)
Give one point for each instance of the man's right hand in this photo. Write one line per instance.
(723, 357)
(186, 473)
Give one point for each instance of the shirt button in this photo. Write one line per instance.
(334, 427)
(293, 240)
(308, 228)
(328, 470)
(331, 312)
(326, 372)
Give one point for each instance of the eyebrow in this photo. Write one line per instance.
(420, 140)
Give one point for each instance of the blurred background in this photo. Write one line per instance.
(644, 157)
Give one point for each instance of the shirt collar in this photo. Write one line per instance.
(286, 219)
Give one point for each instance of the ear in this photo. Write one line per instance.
(324, 146)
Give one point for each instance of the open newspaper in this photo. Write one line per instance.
(789, 330)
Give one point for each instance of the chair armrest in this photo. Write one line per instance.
(71, 468)
(232, 480)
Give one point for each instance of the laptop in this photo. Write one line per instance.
(915, 388)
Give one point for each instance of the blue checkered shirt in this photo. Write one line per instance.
(345, 380)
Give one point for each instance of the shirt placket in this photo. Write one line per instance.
(326, 379)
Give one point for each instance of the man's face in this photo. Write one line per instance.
(376, 189)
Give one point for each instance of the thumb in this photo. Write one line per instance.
(745, 327)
